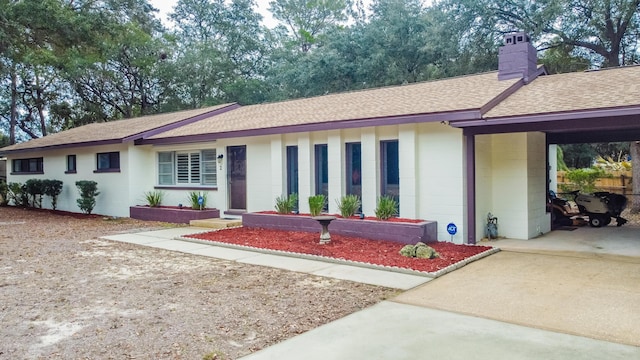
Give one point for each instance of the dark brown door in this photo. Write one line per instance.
(237, 177)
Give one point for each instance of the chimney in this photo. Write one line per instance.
(518, 58)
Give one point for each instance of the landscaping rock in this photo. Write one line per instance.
(419, 250)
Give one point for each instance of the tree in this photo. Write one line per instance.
(603, 31)
(307, 20)
(635, 157)
(219, 53)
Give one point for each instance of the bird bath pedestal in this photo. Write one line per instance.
(325, 237)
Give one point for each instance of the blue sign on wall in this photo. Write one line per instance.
(452, 229)
(200, 200)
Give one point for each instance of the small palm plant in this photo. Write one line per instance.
(286, 204)
(194, 200)
(316, 204)
(154, 198)
(348, 205)
(387, 207)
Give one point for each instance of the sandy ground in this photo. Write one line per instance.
(65, 294)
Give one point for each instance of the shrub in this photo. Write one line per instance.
(584, 179)
(193, 199)
(35, 190)
(316, 204)
(17, 194)
(386, 208)
(52, 188)
(88, 192)
(154, 198)
(348, 205)
(286, 204)
(4, 193)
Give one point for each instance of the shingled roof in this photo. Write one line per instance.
(465, 96)
(570, 92)
(117, 131)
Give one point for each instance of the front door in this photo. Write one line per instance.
(237, 177)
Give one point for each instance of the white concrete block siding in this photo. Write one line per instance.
(510, 175)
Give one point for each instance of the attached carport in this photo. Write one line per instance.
(587, 107)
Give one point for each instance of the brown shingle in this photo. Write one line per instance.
(589, 90)
(113, 130)
(447, 95)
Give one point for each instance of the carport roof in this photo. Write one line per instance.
(570, 92)
(581, 107)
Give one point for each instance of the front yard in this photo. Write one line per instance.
(64, 293)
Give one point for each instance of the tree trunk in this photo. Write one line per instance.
(635, 164)
(14, 104)
(40, 103)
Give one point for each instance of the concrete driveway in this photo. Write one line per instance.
(591, 295)
(510, 305)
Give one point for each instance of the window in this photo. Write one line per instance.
(353, 169)
(71, 164)
(32, 165)
(390, 168)
(187, 168)
(108, 161)
(292, 170)
(322, 170)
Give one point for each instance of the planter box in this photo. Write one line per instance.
(405, 233)
(171, 215)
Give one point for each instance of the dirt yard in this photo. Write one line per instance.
(65, 294)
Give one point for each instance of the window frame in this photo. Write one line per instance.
(190, 169)
(70, 169)
(26, 163)
(385, 162)
(112, 155)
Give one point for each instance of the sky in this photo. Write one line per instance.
(166, 6)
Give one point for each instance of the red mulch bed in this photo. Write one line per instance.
(376, 252)
(393, 219)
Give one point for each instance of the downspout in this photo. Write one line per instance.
(470, 142)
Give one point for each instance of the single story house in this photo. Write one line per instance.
(449, 151)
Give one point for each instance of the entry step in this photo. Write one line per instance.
(216, 223)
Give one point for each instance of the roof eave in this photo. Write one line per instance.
(558, 116)
(61, 146)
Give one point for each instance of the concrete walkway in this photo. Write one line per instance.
(166, 239)
(550, 306)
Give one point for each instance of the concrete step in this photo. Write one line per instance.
(216, 223)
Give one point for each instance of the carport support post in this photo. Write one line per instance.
(470, 140)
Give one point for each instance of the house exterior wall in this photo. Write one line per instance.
(484, 178)
(441, 181)
(516, 183)
(114, 197)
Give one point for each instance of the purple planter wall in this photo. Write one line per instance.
(405, 233)
(178, 216)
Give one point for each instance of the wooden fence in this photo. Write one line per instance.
(619, 183)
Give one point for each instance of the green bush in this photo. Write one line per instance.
(18, 194)
(4, 193)
(584, 179)
(35, 190)
(52, 188)
(154, 198)
(286, 204)
(316, 204)
(193, 199)
(348, 205)
(88, 192)
(387, 207)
